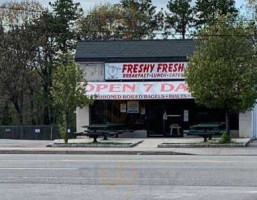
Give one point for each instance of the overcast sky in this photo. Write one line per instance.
(87, 4)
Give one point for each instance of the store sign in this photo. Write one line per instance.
(134, 71)
(138, 90)
(142, 110)
(186, 115)
(123, 108)
(7, 130)
(37, 130)
(133, 106)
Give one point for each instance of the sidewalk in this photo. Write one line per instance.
(148, 147)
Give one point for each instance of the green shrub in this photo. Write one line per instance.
(63, 133)
(225, 138)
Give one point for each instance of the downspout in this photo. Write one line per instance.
(253, 122)
(252, 128)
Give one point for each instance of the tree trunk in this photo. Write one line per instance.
(33, 121)
(18, 108)
(46, 116)
(183, 31)
(227, 123)
(46, 119)
(183, 35)
(47, 84)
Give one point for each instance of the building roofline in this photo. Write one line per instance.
(134, 50)
(129, 40)
(132, 59)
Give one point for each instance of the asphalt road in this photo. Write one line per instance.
(95, 177)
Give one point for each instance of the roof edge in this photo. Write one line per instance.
(133, 59)
(151, 40)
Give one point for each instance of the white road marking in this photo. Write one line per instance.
(252, 192)
(119, 161)
(135, 161)
(148, 161)
(29, 168)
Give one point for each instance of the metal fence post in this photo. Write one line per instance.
(21, 132)
(51, 132)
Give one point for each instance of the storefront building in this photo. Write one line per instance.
(142, 85)
(248, 124)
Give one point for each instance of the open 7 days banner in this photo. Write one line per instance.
(138, 90)
(134, 71)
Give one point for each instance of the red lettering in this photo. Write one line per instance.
(124, 68)
(181, 86)
(175, 69)
(141, 68)
(152, 67)
(90, 87)
(164, 69)
(130, 68)
(146, 68)
(115, 88)
(148, 87)
(129, 88)
(101, 87)
(170, 67)
(165, 87)
(181, 67)
(159, 67)
(135, 68)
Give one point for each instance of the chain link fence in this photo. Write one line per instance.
(41, 132)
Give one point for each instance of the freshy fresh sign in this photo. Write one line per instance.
(135, 71)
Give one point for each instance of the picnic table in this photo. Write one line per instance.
(206, 130)
(96, 130)
(104, 126)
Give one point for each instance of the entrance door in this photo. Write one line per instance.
(158, 123)
(154, 113)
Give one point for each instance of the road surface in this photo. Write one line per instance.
(123, 177)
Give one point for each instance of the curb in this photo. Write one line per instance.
(92, 152)
(69, 152)
(202, 145)
(249, 142)
(92, 145)
(162, 146)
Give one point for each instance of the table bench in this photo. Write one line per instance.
(93, 134)
(205, 135)
(207, 130)
(105, 130)
(78, 133)
(101, 133)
